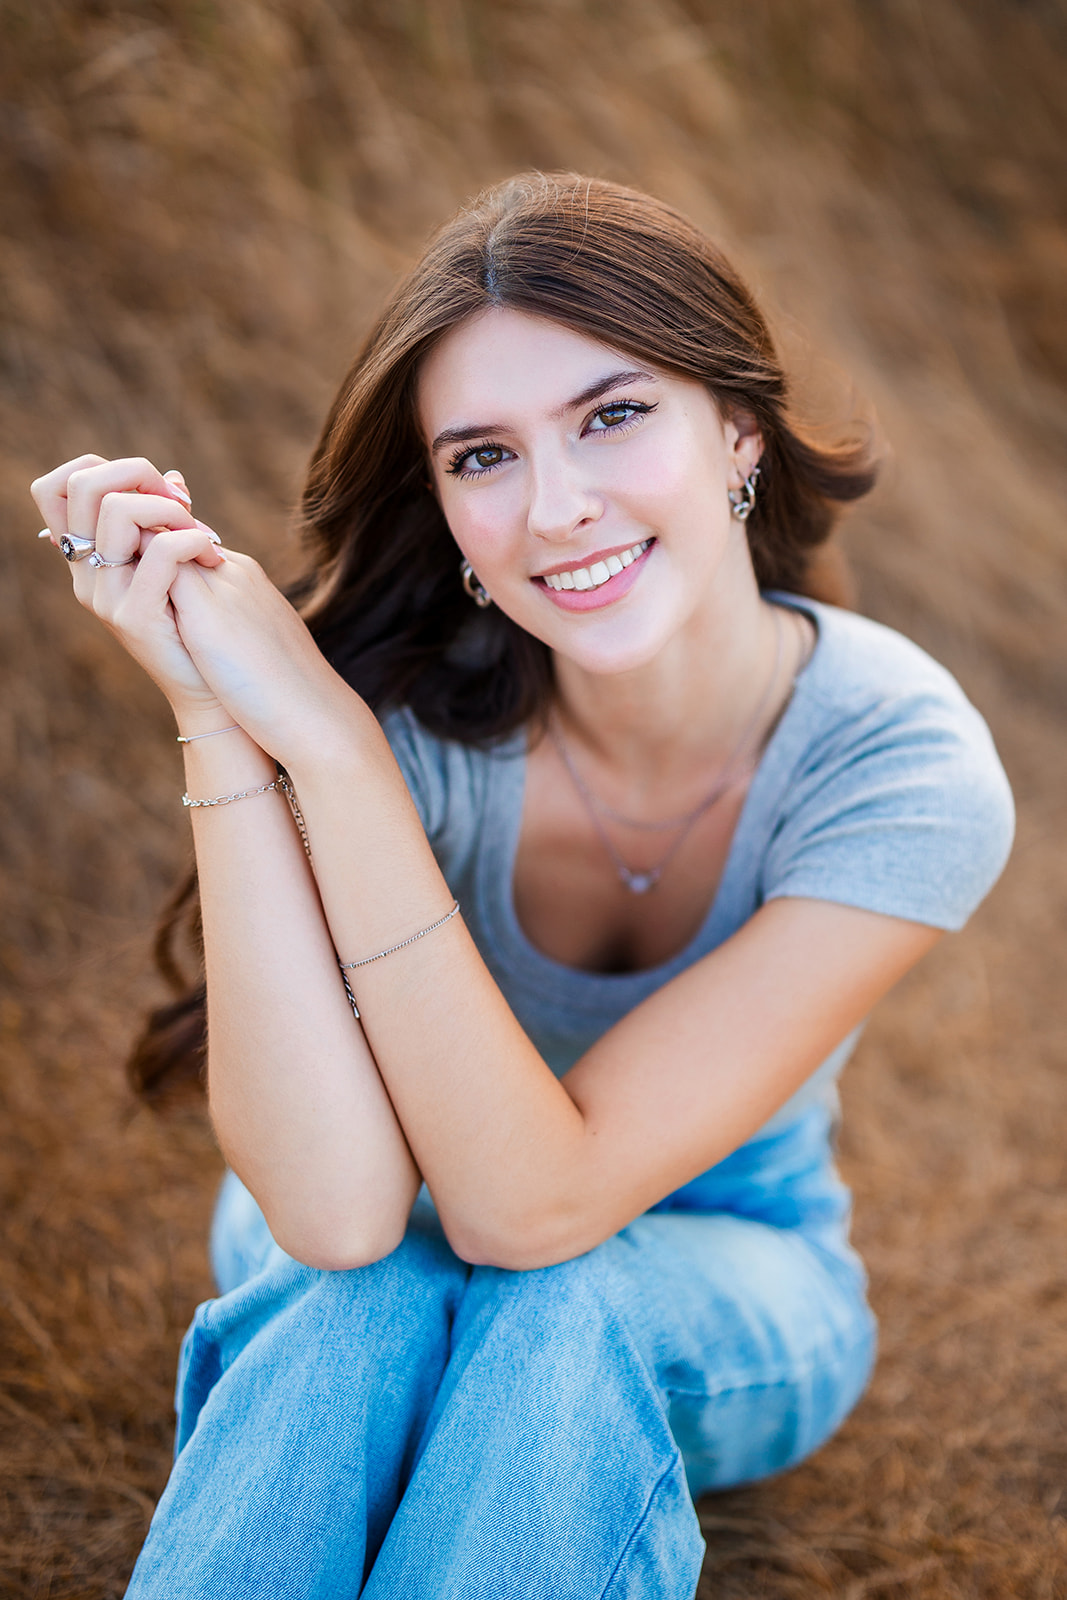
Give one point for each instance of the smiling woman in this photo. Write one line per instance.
(533, 1230)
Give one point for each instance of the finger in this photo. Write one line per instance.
(127, 596)
(86, 488)
(50, 493)
(123, 531)
(168, 553)
(212, 535)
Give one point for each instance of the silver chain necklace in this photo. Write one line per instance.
(642, 882)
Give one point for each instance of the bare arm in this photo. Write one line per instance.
(298, 1104)
(525, 1169)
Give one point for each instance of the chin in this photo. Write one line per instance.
(618, 649)
(621, 638)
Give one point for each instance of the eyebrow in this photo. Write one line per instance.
(478, 430)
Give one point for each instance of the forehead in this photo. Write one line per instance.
(502, 363)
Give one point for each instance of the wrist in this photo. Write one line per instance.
(226, 765)
(195, 719)
(339, 733)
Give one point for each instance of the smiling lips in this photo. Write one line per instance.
(604, 580)
(598, 572)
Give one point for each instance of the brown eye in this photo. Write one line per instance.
(473, 463)
(618, 417)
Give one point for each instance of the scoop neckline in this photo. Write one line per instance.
(496, 874)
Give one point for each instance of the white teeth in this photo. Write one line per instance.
(592, 577)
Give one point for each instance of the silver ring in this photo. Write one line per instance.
(97, 560)
(76, 549)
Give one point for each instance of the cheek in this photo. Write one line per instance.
(670, 476)
(482, 523)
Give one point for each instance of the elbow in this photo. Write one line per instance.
(339, 1249)
(523, 1245)
(338, 1232)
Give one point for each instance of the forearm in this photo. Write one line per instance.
(299, 1107)
(494, 1133)
(526, 1169)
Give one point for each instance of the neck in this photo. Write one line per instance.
(681, 714)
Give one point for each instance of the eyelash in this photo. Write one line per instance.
(455, 468)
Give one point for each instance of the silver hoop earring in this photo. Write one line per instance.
(742, 500)
(478, 594)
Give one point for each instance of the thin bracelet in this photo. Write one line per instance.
(228, 799)
(347, 966)
(235, 727)
(285, 784)
(348, 992)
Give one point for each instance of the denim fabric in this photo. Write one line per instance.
(423, 1428)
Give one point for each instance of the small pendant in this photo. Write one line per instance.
(640, 882)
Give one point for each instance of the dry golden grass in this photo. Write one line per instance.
(202, 204)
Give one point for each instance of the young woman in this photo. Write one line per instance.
(603, 837)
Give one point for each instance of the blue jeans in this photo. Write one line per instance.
(423, 1428)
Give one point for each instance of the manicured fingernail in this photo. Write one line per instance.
(182, 493)
(45, 533)
(212, 535)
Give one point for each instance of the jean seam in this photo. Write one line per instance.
(639, 1524)
(794, 1375)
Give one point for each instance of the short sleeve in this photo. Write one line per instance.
(418, 758)
(902, 808)
(448, 783)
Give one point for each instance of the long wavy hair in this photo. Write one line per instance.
(380, 589)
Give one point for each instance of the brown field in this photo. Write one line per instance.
(202, 205)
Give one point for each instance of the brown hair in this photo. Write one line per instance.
(381, 590)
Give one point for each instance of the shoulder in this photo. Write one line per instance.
(868, 688)
(897, 800)
(860, 665)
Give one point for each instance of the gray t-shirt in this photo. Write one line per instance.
(879, 788)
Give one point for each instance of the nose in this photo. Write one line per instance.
(561, 500)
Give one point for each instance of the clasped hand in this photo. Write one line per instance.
(206, 623)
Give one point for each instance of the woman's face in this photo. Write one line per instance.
(587, 489)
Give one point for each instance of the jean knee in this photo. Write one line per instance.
(547, 1293)
(319, 1329)
(744, 1433)
(557, 1321)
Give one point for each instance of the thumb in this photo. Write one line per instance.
(212, 556)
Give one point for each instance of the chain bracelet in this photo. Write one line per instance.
(347, 966)
(228, 799)
(285, 784)
(348, 992)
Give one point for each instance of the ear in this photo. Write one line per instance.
(744, 442)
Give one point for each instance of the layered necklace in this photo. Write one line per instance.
(739, 763)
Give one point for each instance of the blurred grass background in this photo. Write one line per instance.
(203, 202)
